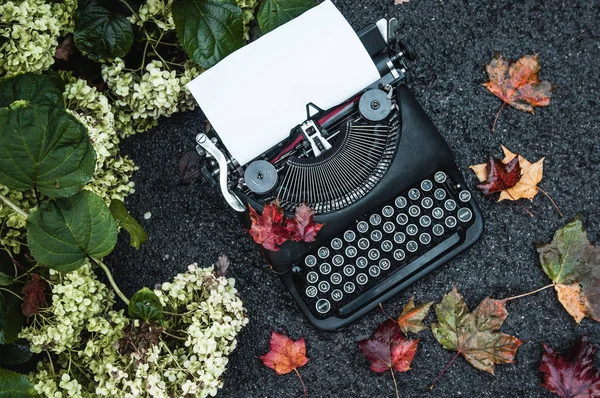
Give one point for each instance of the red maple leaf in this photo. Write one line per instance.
(286, 355)
(34, 295)
(268, 229)
(387, 349)
(572, 375)
(271, 228)
(304, 228)
(500, 176)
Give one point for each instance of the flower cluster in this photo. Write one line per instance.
(29, 30)
(110, 355)
(79, 302)
(140, 100)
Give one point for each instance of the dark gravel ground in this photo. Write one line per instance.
(454, 39)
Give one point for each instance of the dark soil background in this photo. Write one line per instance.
(454, 39)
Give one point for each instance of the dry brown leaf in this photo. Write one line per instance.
(531, 175)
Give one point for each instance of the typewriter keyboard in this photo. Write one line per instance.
(358, 265)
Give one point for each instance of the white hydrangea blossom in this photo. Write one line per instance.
(141, 100)
(99, 364)
(77, 299)
(29, 30)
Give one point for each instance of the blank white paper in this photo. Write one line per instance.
(255, 96)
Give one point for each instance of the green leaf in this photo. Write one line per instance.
(100, 33)
(62, 233)
(209, 30)
(15, 385)
(13, 317)
(44, 148)
(137, 234)
(145, 305)
(14, 354)
(5, 280)
(274, 13)
(562, 258)
(39, 90)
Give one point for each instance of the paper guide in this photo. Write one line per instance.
(256, 95)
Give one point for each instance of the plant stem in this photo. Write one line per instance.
(110, 279)
(497, 114)
(126, 4)
(385, 313)
(301, 381)
(548, 196)
(513, 198)
(13, 293)
(395, 385)
(530, 293)
(13, 206)
(444, 370)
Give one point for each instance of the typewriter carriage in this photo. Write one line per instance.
(301, 172)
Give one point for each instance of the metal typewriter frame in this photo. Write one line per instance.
(416, 134)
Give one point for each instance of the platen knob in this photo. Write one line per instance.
(374, 105)
(260, 176)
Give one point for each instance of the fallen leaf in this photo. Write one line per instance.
(572, 375)
(285, 354)
(268, 229)
(65, 48)
(411, 319)
(222, 265)
(271, 228)
(387, 349)
(398, 2)
(514, 177)
(34, 295)
(517, 83)
(475, 334)
(573, 265)
(304, 228)
(189, 167)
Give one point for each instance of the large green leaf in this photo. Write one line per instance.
(101, 33)
(39, 90)
(62, 233)
(209, 30)
(15, 385)
(274, 13)
(12, 318)
(14, 354)
(136, 232)
(44, 148)
(146, 306)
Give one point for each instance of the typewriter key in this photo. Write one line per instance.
(374, 105)
(260, 176)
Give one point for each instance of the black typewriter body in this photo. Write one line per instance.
(386, 187)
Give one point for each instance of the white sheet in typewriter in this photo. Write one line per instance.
(257, 94)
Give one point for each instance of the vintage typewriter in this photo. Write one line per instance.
(380, 178)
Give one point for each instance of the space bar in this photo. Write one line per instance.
(395, 278)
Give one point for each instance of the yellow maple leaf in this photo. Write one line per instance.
(531, 175)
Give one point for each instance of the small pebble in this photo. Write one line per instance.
(147, 215)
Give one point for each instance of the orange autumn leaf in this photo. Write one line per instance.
(526, 187)
(285, 354)
(411, 319)
(517, 83)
